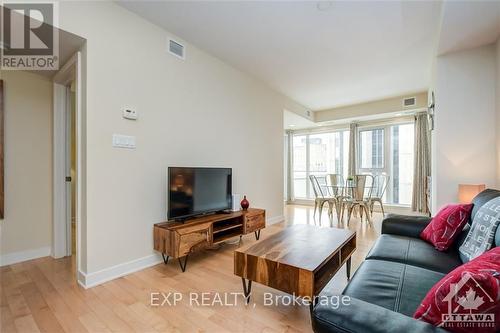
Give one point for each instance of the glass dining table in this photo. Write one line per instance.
(344, 192)
(346, 189)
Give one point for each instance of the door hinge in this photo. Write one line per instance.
(68, 179)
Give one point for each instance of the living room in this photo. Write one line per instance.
(146, 100)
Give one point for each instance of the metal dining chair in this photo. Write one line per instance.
(336, 182)
(360, 197)
(337, 186)
(379, 187)
(321, 196)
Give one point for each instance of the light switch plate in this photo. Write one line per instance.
(124, 141)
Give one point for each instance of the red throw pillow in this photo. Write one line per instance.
(446, 226)
(468, 298)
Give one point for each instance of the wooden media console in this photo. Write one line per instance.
(179, 239)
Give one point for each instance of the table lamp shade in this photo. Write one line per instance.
(467, 192)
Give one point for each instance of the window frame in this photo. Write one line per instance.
(309, 192)
(392, 178)
(387, 152)
(293, 171)
(384, 146)
(385, 124)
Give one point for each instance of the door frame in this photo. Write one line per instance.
(61, 242)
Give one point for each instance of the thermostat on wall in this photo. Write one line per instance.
(130, 114)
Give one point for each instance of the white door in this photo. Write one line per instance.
(67, 170)
(66, 108)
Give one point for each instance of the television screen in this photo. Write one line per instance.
(195, 191)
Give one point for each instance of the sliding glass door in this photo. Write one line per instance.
(383, 149)
(388, 149)
(318, 154)
(402, 147)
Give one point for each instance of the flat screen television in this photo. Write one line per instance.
(197, 191)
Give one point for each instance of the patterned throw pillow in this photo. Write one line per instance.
(446, 226)
(468, 298)
(482, 232)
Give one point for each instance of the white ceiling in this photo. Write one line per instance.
(292, 120)
(69, 44)
(348, 52)
(469, 24)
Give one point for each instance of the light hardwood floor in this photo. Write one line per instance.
(42, 295)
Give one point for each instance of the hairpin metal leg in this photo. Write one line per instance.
(257, 234)
(312, 304)
(165, 258)
(183, 267)
(247, 289)
(348, 268)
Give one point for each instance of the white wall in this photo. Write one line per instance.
(464, 140)
(197, 112)
(498, 111)
(387, 105)
(26, 231)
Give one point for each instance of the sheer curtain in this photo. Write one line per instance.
(353, 149)
(422, 163)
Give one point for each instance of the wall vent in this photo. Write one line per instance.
(176, 48)
(410, 101)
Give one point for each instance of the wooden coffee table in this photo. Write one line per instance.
(298, 260)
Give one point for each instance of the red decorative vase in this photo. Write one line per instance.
(244, 203)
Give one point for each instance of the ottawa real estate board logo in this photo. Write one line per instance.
(469, 306)
(28, 38)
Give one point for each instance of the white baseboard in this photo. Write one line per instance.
(80, 278)
(89, 280)
(275, 219)
(16, 257)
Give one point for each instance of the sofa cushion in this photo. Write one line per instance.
(404, 225)
(415, 252)
(470, 289)
(481, 199)
(360, 316)
(394, 286)
(478, 202)
(446, 226)
(481, 236)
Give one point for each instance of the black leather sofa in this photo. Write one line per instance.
(396, 275)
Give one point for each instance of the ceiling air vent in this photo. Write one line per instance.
(176, 48)
(410, 101)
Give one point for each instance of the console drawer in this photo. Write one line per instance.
(254, 222)
(193, 241)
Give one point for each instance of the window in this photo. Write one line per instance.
(321, 159)
(371, 149)
(388, 149)
(402, 142)
(342, 153)
(318, 154)
(300, 166)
